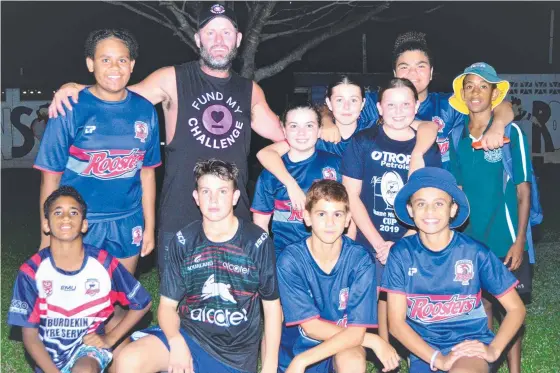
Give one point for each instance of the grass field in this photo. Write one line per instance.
(20, 234)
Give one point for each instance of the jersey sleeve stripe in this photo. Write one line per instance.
(522, 150)
(261, 212)
(44, 169)
(102, 257)
(36, 259)
(507, 290)
(391, 290)
(303, 321)
(26, 268)
(152, 166)
(112, 267)
(119, 297)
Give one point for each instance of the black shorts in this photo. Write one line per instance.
(523, 275)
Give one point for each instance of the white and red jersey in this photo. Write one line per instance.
(100, 148)
(66, 306)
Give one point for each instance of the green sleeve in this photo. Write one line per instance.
(454, 165)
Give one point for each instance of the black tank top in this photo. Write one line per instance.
(213, 121)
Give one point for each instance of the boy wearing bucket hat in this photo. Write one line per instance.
(434, 281)
(500, 205)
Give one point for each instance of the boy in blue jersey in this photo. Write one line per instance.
(107, 148)
(435, 278)
(301, 127)
(413, 60)
(500, 205)
(328, 289)
(64, 293)
(375, 166)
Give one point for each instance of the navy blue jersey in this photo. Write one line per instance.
(434, 108)
(443, 289)
(339, 148)
(382, 164)
(346, 296)
(100, 148)
(271, 196)
(65, 306)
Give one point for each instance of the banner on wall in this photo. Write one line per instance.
(23, 124)
(536, 105)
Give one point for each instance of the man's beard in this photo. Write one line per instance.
(222, 64)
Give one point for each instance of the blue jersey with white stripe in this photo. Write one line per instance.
(271, 196)
(347, 296)
(443, 289)
(65, 306)
(434, 108)
(99, 148)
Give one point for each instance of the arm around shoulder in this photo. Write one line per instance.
(159, 86)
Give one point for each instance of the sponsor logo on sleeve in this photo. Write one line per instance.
(19, 306)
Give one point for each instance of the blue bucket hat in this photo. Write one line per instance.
(432, 177)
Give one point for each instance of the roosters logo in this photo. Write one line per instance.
(141, 131)
(111, 164)
(440, 123)
(429, 309)
(329, 173)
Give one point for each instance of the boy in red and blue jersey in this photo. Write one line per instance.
(434, 280)
(107, 148)
(65, 293)
(328, 291)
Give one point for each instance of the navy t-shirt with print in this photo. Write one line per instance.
(382, 164)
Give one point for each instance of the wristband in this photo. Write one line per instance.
(433, 359)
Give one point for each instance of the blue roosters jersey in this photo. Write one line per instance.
(100, 148)
(435, 108)
(347, 296)
(338, 148)
(271, 196)
(443, 289)
(65, 306)
(382, 163)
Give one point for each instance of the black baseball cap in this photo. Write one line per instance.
(217, 10)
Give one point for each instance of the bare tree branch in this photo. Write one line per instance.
(253, 39)
(171, 26)
(296, 54)
(273, 21)
(265, 37)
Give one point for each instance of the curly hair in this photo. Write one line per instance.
(99, 35)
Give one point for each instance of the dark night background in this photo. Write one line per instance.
(46, 40)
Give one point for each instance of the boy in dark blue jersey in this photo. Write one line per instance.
(435, 278)
(301, 127)
(66, 292)
(107, 148)
(221, 275)
(375, 166)
(413, 60)
(328, 289)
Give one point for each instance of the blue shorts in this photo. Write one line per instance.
(122, 238)
(102, 356)
(292, 344)
(202, 360)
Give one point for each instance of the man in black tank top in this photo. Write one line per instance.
(209, 113)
